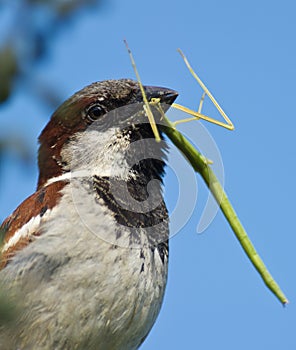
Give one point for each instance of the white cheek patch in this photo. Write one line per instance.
(95, 153)
(26, 230)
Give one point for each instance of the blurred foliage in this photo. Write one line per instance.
(27, 30)
(16, 145)
(30, 26)
(8, 71)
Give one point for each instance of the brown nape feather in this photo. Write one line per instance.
(52, 139)
(35, 205)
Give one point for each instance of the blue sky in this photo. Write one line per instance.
(245, 52)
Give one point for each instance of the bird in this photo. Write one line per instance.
(84, 259)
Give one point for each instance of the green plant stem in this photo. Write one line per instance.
(200, 165)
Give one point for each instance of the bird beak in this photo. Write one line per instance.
(166, 96)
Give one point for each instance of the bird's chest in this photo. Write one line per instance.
(92, 278)
(111, 294)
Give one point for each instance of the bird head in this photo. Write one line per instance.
(93, 130)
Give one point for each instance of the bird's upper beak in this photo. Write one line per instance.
(166, 96)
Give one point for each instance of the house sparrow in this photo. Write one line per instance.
(84, 258)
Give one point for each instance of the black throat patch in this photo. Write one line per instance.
(130, 202)
(137, 208)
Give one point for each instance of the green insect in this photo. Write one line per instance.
(202, 165)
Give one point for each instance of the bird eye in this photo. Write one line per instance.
(95, 112)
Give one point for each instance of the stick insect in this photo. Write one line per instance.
(201, 165)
